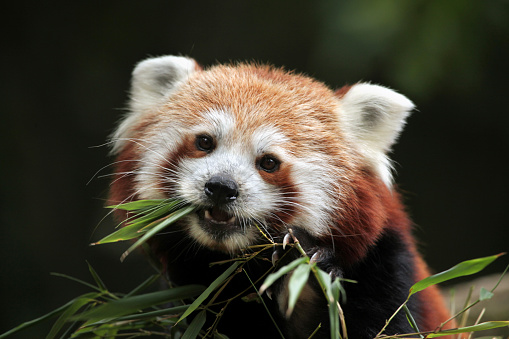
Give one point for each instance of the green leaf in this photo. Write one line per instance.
(171, 219)
(97, 279)
(69, 312)
(125, 233)
(464, 268)
(333, 310)
(271, 278)
(195, 326)
(325, 281)
(479, 327)
(215, 284)
(153, 214)
(129, 305)
(485, 294)
(76, 280)
(140, 204)
(296, 283)
(47, 316)
(119, 323)
(149, 281)
(140, 223)
(411, 320)
(153, 314)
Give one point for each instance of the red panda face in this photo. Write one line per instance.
(253, 147)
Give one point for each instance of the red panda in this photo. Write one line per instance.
(252, 144)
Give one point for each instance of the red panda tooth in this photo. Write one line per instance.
(315, 257)
(275, 258)
(208, 216)
(286, 240)
(269, 293)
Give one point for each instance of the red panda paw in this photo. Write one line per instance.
(323, 257)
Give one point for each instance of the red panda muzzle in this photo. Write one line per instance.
(221, 189)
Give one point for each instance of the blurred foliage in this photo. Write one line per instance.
(424, 47)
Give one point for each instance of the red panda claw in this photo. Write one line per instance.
(286, 240)
(268, 291)
(315, 258)
(275, 257)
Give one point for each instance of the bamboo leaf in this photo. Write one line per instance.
(69, 312)
(45, 317)
(76, 280)
(411, 320)
(128, 319)
(474, 328)
(139, 204)
(325, 281)
(150, 215)
(139, 224)
(125, 233)
(333, 310)
(97, 279)
(271, 278)
(195, 326)
(129, 305)
(149, 281)
(171, 219)
(215, 284)
(464, 268)
(296, 283)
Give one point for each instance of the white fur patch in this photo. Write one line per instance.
(218, 123)
(267, 139)
(317, 182)
(153, 82)
(374, 116)
(231, 244)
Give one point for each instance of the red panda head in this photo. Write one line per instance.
(251, 146)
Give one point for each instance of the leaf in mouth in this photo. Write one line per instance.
(148, 218)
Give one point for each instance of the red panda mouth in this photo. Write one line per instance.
(218, 216)
(218, 223)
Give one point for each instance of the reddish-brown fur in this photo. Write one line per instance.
(373, 208)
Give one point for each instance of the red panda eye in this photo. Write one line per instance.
(204, 143)
(269, 164)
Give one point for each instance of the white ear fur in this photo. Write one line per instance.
(153, 81)
(375, 116)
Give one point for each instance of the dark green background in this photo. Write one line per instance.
(65, 70)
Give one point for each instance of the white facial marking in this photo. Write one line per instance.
(219, 124)
(155, 154)
(154, 81)
(267, 139)
(373, 117)
(236, 152)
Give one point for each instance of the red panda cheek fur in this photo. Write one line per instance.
(122, 187)
(362, 218)
(373, 209)
(282, 179)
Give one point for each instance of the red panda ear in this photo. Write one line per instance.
(153, 82)
(374, 116)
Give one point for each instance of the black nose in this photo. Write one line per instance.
(221, 189)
